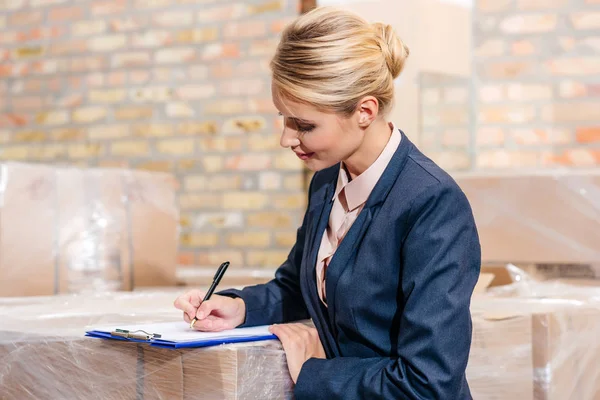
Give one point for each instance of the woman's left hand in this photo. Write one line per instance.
(300, 342)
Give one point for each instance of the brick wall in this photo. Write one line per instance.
(535, 88)
(445, 120)
(165, 85)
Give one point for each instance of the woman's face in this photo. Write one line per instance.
(320, 139)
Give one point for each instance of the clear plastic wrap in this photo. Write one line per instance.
(546, 217)
(71, 230)
(535, 340)
(44, 354)
(525, 286)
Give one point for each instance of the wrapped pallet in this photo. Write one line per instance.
(542, 349)
(545, 217)
(44, 354)
(68, 230)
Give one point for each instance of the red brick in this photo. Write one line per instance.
(186, 258)
(197, 35)
(488, 136)
(264, 47)
(47, 32)
(68, 13)
(247, 29)
(28, 103)
(523, 48)
(491, 48)
(528, 23)
(589, 134)
(25, 18)
(574, 66)
(579, 157)
(238, 88)
(571, 89)
(152, 39)
(215, 257)
(139, 76)
(130, 59)
(89, 27)
(528, 137)
(503, 159)
(571, 112)
(128, 24)
(107, 42)
(108, 7)
(175, 55)
(195, 92)
(75, 47)
(221, 13)
(264, 7)
(174, 18)
(249, 162)
(262, 106)
(215, 51)
(515, 114)
(90, 63)
(456, 138)
(508, 69)
(278, 26)
(588, 20)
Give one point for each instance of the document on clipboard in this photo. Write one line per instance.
(178, 335)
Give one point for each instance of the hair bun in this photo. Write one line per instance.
(394, 50)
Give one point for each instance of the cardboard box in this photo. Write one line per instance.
(66, 230)
(544, 217)
(43, 354)
(535, 349)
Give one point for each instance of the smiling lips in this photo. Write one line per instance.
(304, 156)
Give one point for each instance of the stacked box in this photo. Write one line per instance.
(44, 354)
(68, 230)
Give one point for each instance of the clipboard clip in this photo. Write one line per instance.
(135, 334)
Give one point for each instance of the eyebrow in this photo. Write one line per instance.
(302, 121)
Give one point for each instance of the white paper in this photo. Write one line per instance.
(180, 332)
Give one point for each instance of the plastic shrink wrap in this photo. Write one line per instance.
(44, 354)
(536, 340)
(70, 230)
(549, 217)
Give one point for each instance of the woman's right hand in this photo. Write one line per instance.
(216, 314)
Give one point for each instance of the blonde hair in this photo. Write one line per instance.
(331, 58)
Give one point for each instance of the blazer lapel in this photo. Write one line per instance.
(318, 217)
(348, 248)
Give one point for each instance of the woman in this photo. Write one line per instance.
(388, 254)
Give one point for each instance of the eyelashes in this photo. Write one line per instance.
(301, 127)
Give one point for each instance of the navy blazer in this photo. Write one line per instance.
(399, 287)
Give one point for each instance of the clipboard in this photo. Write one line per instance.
(178, 335)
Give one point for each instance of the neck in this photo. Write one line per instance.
(376, 137)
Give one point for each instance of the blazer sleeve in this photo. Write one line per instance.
(279, 300)
(441, 264)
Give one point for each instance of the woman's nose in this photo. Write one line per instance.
(289, 138)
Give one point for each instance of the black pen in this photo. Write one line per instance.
(213, 286)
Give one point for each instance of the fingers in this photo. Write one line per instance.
(292, 332)
(206, 308)
(189, 302)
(211, 324)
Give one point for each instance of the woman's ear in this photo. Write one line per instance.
(368, 110)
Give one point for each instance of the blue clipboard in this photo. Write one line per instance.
(170, 341)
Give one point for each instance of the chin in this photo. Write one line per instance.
(317, 165)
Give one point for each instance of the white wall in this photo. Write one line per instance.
(438, 33)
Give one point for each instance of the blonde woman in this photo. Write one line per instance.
(388, 254)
